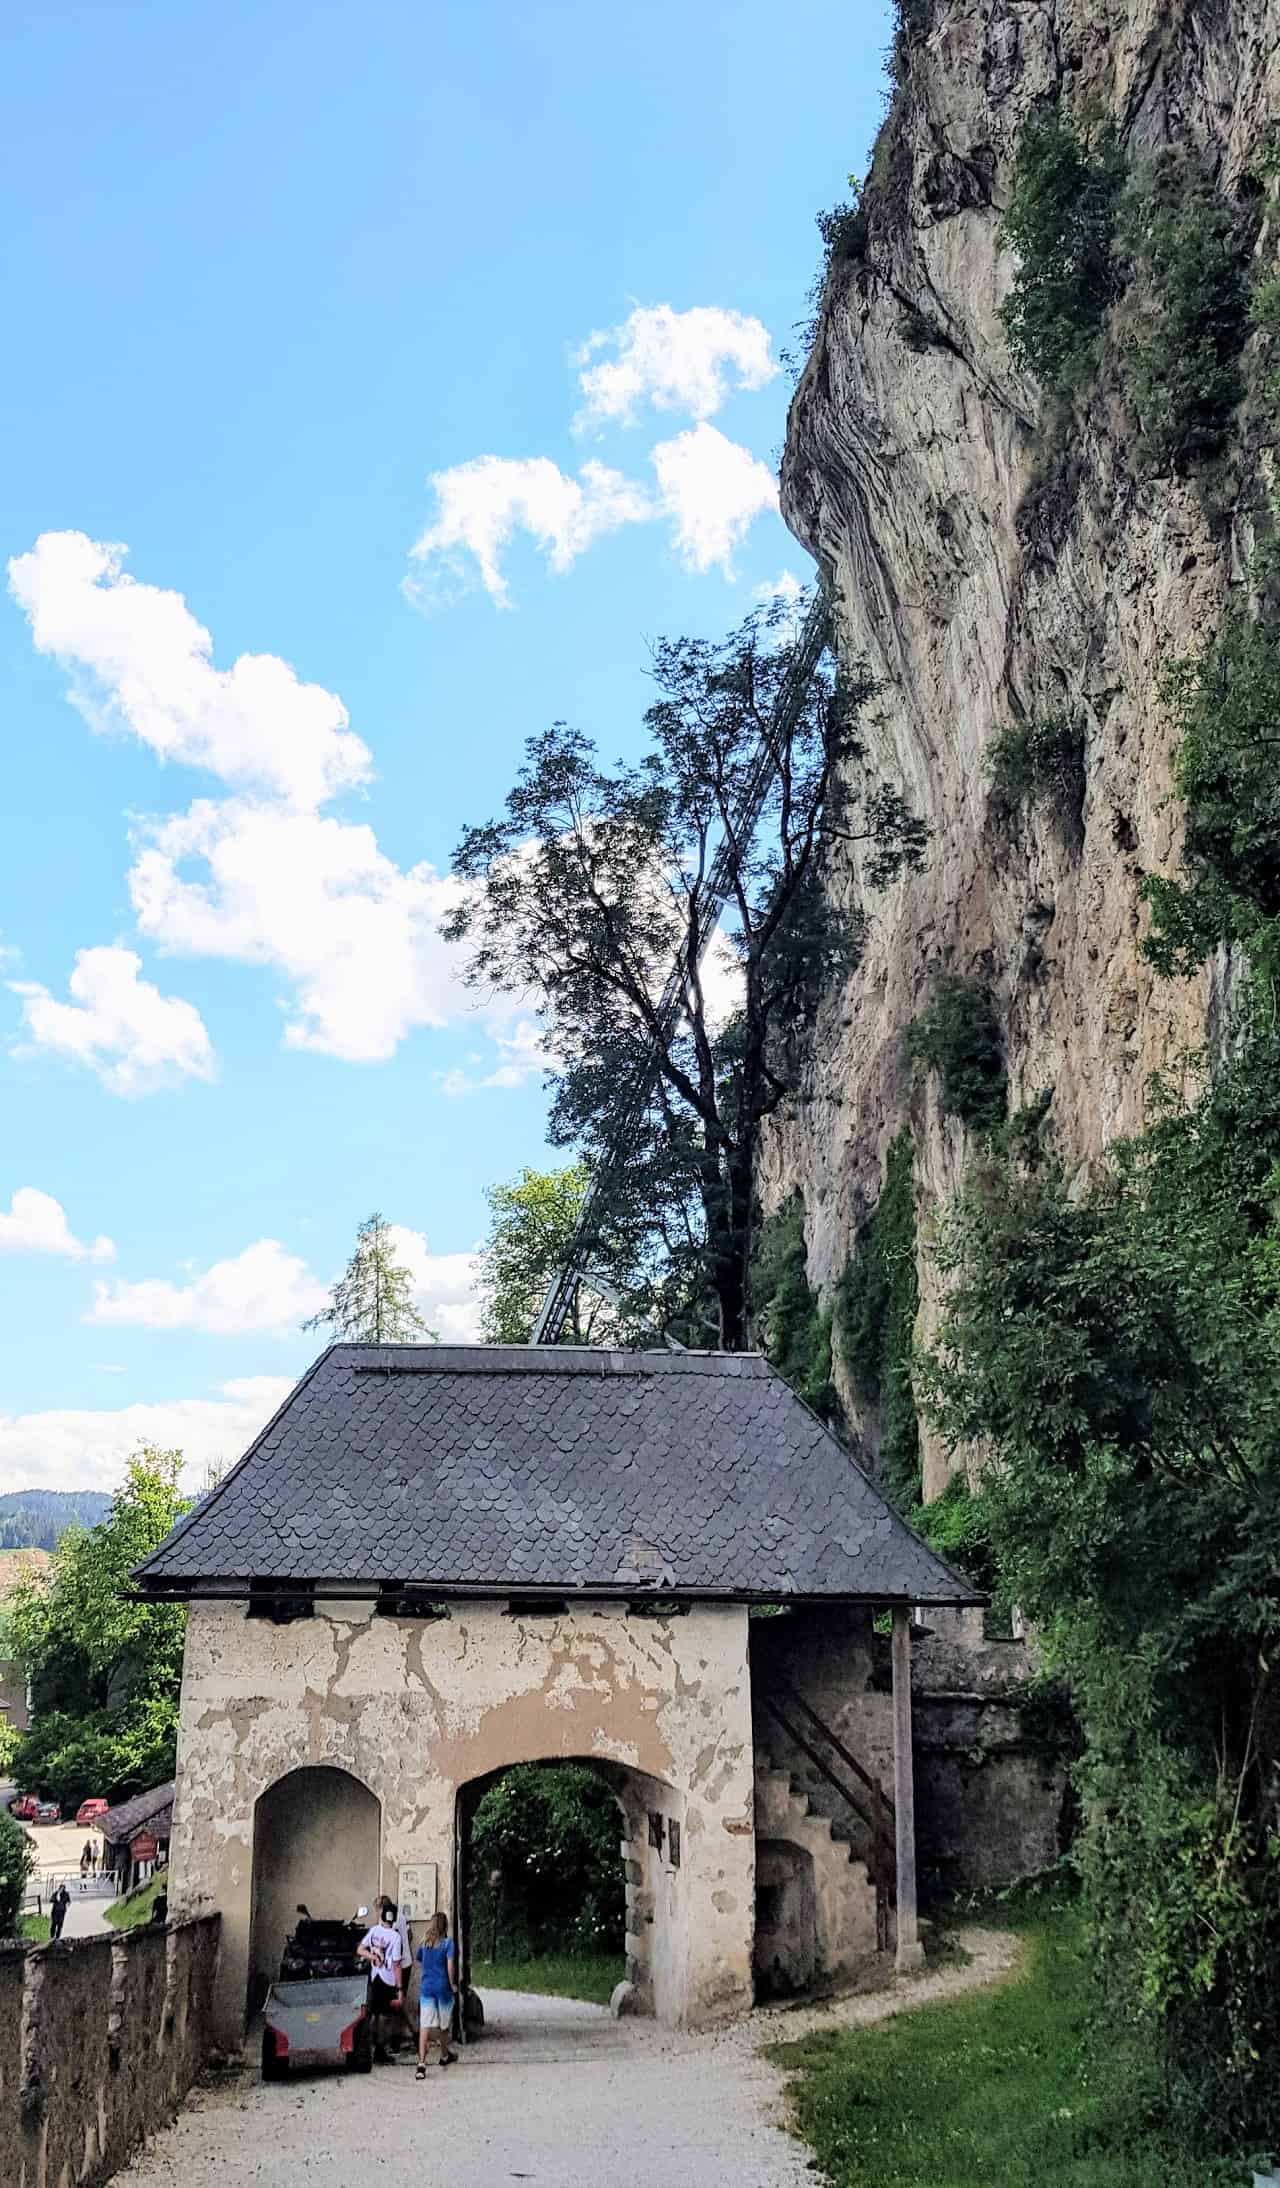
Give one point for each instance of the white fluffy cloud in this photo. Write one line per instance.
(444, 1286)
(264, 1288)
(144, 664)
(136, 1039)
(709, 488)
(481, 505)
(261, 1289)
(82, 1448)
(523, 1051)
(36, 1223)
(673, 360)
(314, 897)
(712, 489)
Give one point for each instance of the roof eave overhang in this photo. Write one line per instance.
(237, 1590)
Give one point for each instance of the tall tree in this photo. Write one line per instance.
(531, 1223)
(104, 1670)
(581, 891)
(372, 1301)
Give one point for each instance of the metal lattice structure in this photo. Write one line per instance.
(809, 649)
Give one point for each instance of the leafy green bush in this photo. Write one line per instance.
(1041, 760)
(876, 1303)
(1226, 706)
(548, 1833)
(1181, 360)
(1119, 1351)
(958, 1526)
(1061, 219)
(16, 1862)
(795, 1327)
(958, 1036)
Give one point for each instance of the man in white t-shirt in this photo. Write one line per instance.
(381, 1947)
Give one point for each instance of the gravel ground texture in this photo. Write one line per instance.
(555, 2093)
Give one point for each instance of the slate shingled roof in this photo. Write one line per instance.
(492, 1469)
(151, 1811)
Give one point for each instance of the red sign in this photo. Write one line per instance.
(144, 1847)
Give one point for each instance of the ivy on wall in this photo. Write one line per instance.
(793, 1325)
(876, 1303)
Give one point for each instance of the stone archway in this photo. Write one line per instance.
(786, 1949)
(651, 1818)
(317, 1836)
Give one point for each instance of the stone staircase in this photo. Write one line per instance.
(816, 1913)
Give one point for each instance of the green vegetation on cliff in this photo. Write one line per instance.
(877, 1300)
(1061, 220)
(795, 1327)
(958, 1036)
(1116, 1347)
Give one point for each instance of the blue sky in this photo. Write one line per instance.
(292, 292)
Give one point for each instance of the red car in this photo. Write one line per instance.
(91, 1811)
(24, 1808)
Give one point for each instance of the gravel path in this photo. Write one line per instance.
(556, 2094)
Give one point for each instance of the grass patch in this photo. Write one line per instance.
(131, 1912)
(35, 1929)
(560, 1975)
(1024, 2086)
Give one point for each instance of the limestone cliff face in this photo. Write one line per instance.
(987, 579)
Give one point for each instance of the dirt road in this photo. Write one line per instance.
(556, 2094)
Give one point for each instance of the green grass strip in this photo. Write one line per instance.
(1021, 2086)
(592, 1976)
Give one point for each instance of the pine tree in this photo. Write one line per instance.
(372, 1302)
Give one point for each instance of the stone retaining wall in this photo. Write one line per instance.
(100, 2040)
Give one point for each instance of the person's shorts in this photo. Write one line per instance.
(381, 1995)
(435, 2013)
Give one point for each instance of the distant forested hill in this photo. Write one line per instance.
(34, 1518)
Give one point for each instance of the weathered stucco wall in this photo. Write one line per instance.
(414, 1710)
(103, 2036)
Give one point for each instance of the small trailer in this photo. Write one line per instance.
(319, 2008)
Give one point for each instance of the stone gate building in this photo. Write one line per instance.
(437, 1561)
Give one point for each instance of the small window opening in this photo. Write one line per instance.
(657, 1830)
(537, 1606)
(656, 1606)
(281, 1600)
(400, 1599)
(673, 1843)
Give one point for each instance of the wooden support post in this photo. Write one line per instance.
(910, 1952)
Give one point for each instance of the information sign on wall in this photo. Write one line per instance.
(419, 1889)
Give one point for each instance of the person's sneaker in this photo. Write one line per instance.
(421, 2074)
(380, 2055)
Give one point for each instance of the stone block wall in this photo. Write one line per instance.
(102, 2038)
(992, 1753)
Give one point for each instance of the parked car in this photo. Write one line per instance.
(24, 1808)
(91, 1811)
(47, 1812)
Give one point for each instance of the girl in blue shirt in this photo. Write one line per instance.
(438, 1967)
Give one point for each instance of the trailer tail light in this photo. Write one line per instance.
(347, 2040)
(281, 2042)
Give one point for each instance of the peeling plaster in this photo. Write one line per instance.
(415, 1711)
